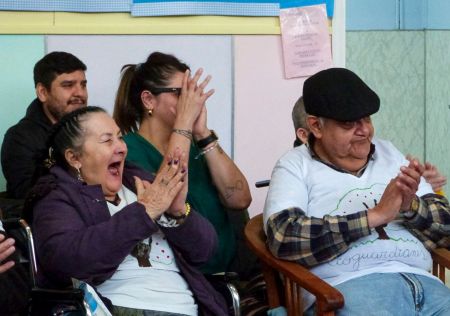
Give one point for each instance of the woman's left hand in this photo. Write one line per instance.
(200, 129)
(191, 100)
(158, 196)
(178, 205)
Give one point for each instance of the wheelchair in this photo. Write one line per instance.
(34, 300)
(39, 301)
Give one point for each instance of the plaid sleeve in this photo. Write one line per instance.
(293, 236)
(431, 220)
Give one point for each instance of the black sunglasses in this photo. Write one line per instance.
(157, 91)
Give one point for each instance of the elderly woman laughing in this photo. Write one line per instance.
(129, 234)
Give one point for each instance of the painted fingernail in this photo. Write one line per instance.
(175, 161)
(183, 170)
(170, 162)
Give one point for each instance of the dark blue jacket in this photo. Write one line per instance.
(76, 236)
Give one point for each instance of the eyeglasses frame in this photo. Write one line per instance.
(159, 90)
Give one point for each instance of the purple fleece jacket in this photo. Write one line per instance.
(75, 236)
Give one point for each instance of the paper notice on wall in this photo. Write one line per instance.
(306, 40)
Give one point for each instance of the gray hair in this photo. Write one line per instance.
(299, 115)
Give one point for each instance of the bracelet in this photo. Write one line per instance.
(165, 221)
(184, 132)
(202, 143)
(204, 152)
(187, 208)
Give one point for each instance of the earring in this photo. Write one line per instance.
(49, 161)
(150, 112)
(79, 176)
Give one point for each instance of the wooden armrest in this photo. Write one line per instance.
(441, 260)
(441, 256)
(325, 294)
(328, 298)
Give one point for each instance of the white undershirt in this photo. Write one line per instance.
(159, 287)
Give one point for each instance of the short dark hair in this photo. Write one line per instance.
(299, 115)
(53, 65)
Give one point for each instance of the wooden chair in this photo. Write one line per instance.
(295, 277)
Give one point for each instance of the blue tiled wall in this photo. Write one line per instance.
(397, 14)
(372, 15)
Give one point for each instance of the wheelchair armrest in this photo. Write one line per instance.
(223, 283)
(262, 184)
(222, 277)
(52, 294)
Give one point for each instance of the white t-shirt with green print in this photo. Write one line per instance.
(319, 190)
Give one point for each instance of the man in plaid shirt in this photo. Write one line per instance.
(354, 210)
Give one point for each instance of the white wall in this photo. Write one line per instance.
(251, 107)
(264, 101)
(105, 55)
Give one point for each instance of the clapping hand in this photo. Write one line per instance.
(168, 183)
(398, 194)
(408, 182)
(387, 207)
(191, 101)
(432, 175)
(178, 205)
(6, 249)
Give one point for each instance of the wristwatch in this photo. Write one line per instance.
(202, 143)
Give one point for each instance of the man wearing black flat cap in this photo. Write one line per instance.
(354, 210)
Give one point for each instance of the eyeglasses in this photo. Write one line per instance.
(156, 91)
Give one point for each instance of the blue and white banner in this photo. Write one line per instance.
(205, 7)
(220, 7)
(285, 4)
(66, 5)
(164, 7)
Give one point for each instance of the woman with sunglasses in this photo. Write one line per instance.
(153, 109)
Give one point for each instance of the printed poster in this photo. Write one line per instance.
(306, 40)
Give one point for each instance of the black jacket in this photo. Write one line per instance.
(21, 148)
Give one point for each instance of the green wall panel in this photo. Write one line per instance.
(18, 54)
(392, 63)
(438, 99)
